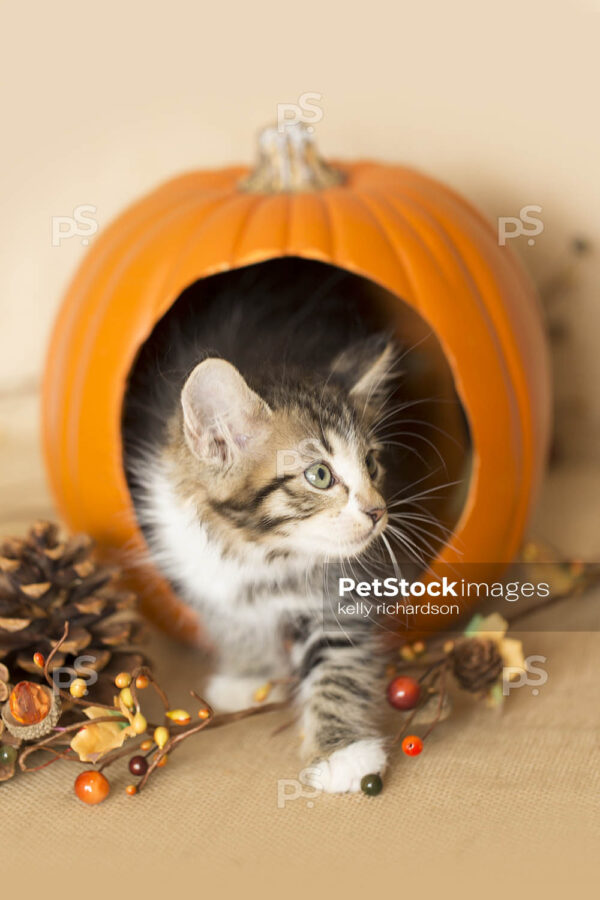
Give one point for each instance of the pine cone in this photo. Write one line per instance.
(45, 582)
(476, 664)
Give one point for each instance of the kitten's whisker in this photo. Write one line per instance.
(393, 412)
(421, 437)
(426, 424)
(422, 537)
(418, 517)
(362, 561)
(414, 346)
(408, 543)
(346, 635)
(437, 428)
(419, 531)
(415, 483)
(394, 561)
(419, 456)
(425, 493)
(416, 537)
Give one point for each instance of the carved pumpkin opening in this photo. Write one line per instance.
(428, 453)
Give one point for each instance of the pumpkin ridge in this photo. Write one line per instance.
(227, 201)
(141, 233)
(244, 224)
(474, 291)
(323, 199)
(396, 251)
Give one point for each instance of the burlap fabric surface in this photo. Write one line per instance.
(521, 787)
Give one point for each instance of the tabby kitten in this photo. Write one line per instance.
(265, 485)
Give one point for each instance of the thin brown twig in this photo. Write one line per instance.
(439, 674)
(145, 670)
(74, 701)
(226, 718)
(440, 707)
(126, 750)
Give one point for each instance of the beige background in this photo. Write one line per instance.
(101, 101)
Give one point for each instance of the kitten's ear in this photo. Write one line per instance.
(222, 417)
(367, 368)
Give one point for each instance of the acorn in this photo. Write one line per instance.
(32, 710)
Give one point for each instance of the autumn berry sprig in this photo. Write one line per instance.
(107, 733)
(477, 662)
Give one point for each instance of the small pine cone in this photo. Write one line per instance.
(7, 767)
(45, 581)
(476, 664)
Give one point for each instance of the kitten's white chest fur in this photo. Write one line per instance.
(183, 548)
(216, 583)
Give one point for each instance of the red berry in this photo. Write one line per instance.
(403, 692)
(138, 765)
(92, 787)
(412, 745)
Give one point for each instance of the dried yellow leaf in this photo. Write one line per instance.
(96, 740)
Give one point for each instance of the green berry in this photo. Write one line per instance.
(8, 755)
(371, 785)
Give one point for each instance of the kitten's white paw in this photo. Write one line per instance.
(227, 693)
(343, 770)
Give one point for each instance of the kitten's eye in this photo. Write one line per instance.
(371, 464)
(319, 475)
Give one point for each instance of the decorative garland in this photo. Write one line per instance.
(40, 717)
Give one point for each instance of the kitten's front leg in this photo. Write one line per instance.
(340, 688)
(249, 654)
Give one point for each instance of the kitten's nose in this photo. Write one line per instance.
(375, 514)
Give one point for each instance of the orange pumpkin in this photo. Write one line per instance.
(396, 227)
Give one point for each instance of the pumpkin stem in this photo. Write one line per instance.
(288, 162)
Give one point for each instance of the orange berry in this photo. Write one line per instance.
(131, 790)
(141, 682)
(412, 745)
(162, 761)
(92, 787)
(39, 660)
(203, 713)
(123, 680)
(146, 745)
